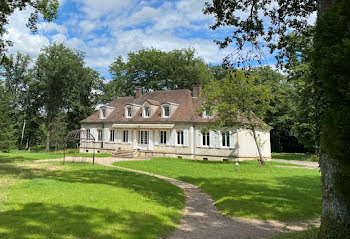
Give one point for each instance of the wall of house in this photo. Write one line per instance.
(242, 143)
(247, 147)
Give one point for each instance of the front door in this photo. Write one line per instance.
(143, 139)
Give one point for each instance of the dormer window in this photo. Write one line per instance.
(166, 110)
(146, 112)
(103, 113)
(128, 112)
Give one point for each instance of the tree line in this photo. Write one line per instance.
(43, 99)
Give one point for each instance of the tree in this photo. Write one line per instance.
(6, 125)
(272, 23)
(153, 69)
(238, 101)
(281, 113)
(48, 8)
(18, 83)
(65, 85)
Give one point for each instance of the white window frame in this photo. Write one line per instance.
(225, 139)
(127, 113)
(99, 133)
(179, 137)
(111, 135)
(206, 139)
(125, 138)
(148, 111)
(103, 113)
(166, 106)
(163, 137)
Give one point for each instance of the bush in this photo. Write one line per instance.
(314, 158)
(38, 148)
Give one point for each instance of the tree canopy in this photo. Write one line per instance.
(153, 69)
(48, 8)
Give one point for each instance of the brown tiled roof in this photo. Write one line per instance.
(186, 111)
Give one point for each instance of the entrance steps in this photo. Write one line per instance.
(124, 153)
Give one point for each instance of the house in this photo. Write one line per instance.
(166, 124)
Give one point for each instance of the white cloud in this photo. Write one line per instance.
(106, 29)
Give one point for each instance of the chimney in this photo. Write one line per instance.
(197, 88)
(138, 92)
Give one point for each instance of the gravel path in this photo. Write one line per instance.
(202, 220)
(311, 165)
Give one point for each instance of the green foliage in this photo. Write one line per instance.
(48, 8)
(269, 192)
(49, 200)
(153, 69)
(237, 101)
(6, 124)
(65, 85)
(257, 24)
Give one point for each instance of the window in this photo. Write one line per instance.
(180, 137)
(166, 111)
(128, 113)
(104, 113)
(125, 136)
(163, 137)
(88, 134)
(143, 137)
(99, 134)
(225, 139)
(206, 139)
(111, 135)
(146, 109)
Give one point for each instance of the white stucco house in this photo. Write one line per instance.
(166, 124)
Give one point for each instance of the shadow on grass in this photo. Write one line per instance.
(40, 220)
(293, 199)
(153, 188)
(292, 156)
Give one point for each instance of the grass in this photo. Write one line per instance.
(25, 155)
(311, 233)
(293, 156)
(51, 200)
(261, 192)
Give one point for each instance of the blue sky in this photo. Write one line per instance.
(105, 29)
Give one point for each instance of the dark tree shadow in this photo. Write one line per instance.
(40, 220)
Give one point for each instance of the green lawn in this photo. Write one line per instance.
(24, 155)
(51, 200)
(293, 156)
(262, 192)
(307, 234)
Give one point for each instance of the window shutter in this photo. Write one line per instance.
(150, 143)
(172, 139)
(212, 136)
(185, 137)
(198, 138)
(168, 135)
(106, 134)
(134, 139)
(217, 139)
(156, 137)
(117, 135)
(232, 140)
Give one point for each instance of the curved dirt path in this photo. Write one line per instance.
(201, 219)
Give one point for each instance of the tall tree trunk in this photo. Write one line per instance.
(260, 159)
(335, 170)
(335, 219)
(22, 135)
(48, 132)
